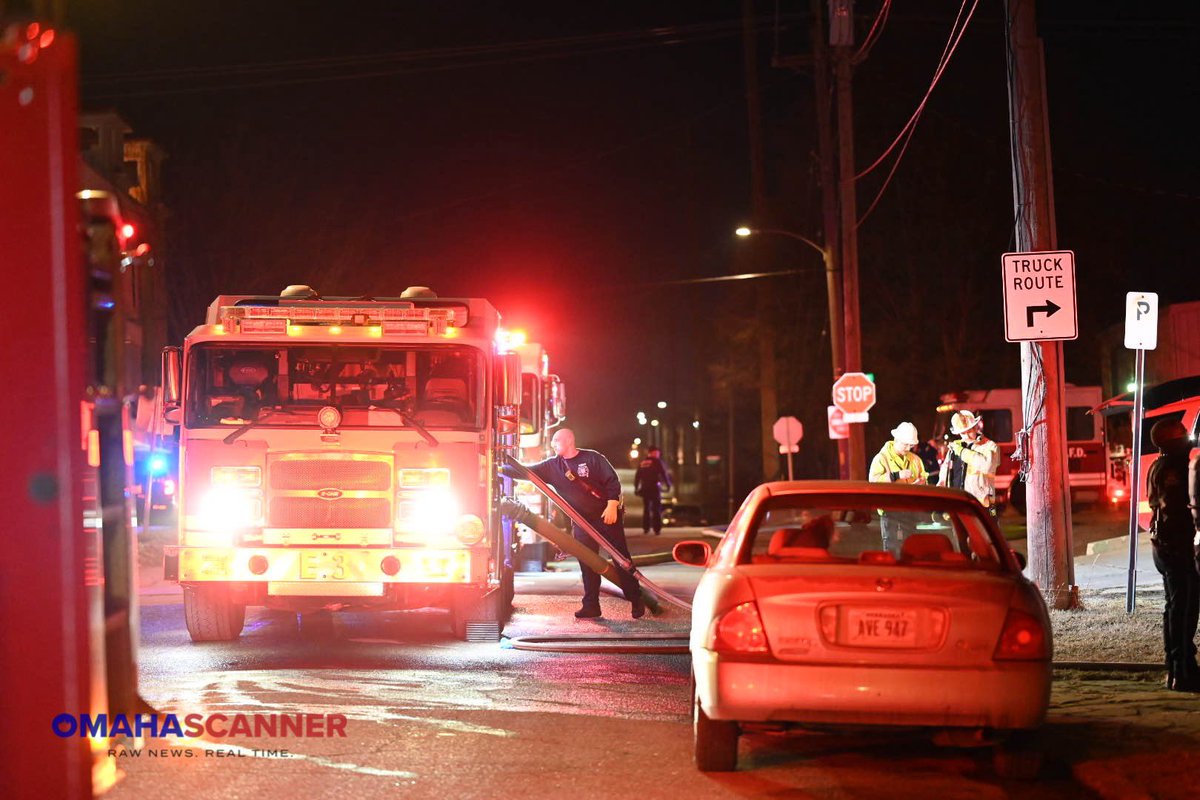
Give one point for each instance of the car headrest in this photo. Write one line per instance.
(787, 538)
(925, 547)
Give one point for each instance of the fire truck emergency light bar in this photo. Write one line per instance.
(401, 319)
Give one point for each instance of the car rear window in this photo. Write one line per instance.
(820, 529)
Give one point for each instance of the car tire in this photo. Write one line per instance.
(1017, 757)
(211, 615)
(716, 742)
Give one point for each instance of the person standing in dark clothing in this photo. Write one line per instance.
(1172, 531)
(648, 483)
(588, 483)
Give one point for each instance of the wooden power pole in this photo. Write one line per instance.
(1043, 440)
(842, 39)
(829, 210)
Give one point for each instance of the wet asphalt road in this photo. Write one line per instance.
(429, 716)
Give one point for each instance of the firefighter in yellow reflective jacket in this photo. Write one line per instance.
(972, 460)
(897, 463)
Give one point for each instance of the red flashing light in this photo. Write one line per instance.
(32, 31)
(127, 231)
(47, 39)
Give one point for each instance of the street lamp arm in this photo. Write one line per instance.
(791, 235)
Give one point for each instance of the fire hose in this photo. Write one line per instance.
(567, 543)
(542, 527)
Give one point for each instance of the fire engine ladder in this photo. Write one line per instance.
(579, 520)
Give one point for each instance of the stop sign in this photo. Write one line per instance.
(854, 393)
(788, 431)
(838, 427)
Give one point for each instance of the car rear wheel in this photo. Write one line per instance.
(716, 742)
(211, 614)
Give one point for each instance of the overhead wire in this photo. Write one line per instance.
(906, 133)
(342, 68)
(947, 51)
(874, 33)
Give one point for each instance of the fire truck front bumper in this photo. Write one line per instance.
(357, 571)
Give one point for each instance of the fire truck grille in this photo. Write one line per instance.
(345, 512)
(326, 473)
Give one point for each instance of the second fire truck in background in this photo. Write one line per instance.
(1003, 419)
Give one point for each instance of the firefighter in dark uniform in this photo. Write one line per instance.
(587, 481)
(648, 483)
(1172, 531)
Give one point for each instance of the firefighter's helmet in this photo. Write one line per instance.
(963, 421)
(1167, 433)
(905, 433)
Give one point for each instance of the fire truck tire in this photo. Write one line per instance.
(211, 614)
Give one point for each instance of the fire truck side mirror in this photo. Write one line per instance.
(508, 379)
(170, 381)
(558, 399)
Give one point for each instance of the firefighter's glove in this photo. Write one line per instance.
(957, 447)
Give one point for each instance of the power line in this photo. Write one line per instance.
(409, 62)
(911, 126)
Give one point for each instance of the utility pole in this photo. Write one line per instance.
(768, 390)
(841, 36)
(1047, 494)
(838, 203)
(829, 210)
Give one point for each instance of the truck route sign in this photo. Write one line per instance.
(1039, 296)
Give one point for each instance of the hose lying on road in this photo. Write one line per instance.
(604, 643)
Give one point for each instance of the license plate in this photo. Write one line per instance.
(323, 566)
(880, 627)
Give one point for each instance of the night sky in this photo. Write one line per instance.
(558, 158)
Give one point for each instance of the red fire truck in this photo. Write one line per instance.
(543, 408)
(1001, 409)
(341, 453)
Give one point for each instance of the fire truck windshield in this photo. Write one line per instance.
(283, 386)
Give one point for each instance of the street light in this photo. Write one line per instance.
(837, 332)
(745, 232)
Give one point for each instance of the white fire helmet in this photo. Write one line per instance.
(906, 433)
(963, 421)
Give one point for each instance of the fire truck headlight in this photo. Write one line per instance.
(469, 529)
(434, 511)
(227, 509)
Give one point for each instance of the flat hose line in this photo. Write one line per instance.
(621, 643)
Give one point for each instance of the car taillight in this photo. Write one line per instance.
(1022, 639)
(739, 630)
